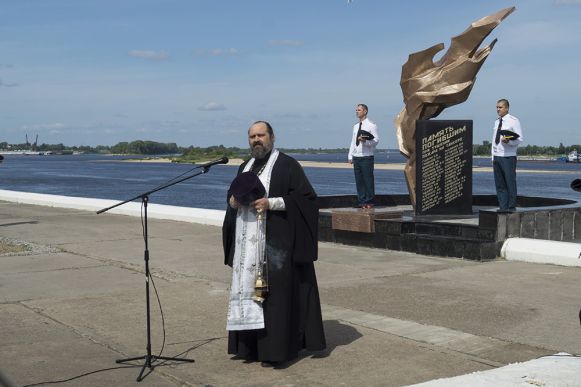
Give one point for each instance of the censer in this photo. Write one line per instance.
(261, 285)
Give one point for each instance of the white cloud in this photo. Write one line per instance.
(286, 42)
(217, 51)
(212, 107)
(149, 54)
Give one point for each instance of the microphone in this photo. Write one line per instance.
(223, 160)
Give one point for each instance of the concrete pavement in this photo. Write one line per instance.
(75, 303)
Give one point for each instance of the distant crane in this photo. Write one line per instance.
(31, 146)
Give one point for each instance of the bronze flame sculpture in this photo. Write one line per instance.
(429, 87)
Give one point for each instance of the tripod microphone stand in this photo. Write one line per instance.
(148, 358)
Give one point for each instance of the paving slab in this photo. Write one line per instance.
(67, 282)
(77, 303)
(38, 262)
(364, 265)
(39, 349)
(38, 225)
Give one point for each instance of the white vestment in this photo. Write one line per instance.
(244, 313)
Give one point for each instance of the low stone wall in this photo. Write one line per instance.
(562, 223)
(155, 211)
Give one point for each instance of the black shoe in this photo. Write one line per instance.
(359, 205)
(503, 211)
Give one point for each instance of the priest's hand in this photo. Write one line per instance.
(260, 205)
(233, 202)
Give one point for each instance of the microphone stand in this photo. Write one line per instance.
(148, 357)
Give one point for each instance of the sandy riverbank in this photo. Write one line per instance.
(309, 164)
(320, 164)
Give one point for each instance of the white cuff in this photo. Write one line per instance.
(276, 204)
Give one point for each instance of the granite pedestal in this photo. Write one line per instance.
(478, 236)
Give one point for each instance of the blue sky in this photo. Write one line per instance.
(198, 72)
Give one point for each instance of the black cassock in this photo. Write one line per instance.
(292, 310)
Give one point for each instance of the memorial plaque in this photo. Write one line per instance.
(360, 221)
(444, 167)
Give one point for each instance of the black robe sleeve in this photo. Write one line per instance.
(303, 215)
(229, 228)
(228, 234)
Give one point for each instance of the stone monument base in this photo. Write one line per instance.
(479, 236)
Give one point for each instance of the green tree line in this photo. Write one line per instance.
(529, 150)
(195, 153)
(141, 147)
(138, 147)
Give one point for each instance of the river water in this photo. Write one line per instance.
(106, 177)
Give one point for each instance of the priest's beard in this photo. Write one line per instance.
(259, 151)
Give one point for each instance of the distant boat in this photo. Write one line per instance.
(574, 157)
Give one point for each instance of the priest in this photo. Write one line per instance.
(275, 234)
